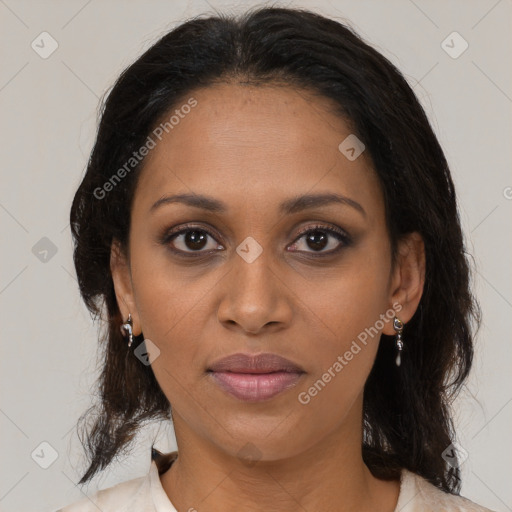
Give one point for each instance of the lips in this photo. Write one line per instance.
(255, 378)
(261, 363)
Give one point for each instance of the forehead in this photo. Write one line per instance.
(246, 143)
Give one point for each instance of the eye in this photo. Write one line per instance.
(317, 238)
(191, 240)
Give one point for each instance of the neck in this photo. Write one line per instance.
(329, 475)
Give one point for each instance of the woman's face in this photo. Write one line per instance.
(243, 279)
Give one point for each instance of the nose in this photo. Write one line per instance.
(255, 297)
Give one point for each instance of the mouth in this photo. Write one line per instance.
(255, 378)
(255, 387)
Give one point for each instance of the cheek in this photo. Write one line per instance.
(352, 299)
(347, 317)
(169, 304)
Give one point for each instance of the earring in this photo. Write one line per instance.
(398, 326)
(126, 329)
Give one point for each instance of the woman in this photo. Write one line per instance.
(270, 226)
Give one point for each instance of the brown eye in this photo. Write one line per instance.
(319, 238)
(315, 241)
(192, 240)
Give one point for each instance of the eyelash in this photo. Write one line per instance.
(337, 233)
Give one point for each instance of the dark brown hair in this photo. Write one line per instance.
(407, 423)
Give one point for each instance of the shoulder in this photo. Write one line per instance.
(419, 495)
(142, 494)
(129, 495)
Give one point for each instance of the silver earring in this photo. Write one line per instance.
(126, 330)
(398, 326)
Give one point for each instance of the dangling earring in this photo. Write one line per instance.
(398, 326)
(126, 329)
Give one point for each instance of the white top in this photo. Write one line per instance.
(146, 494)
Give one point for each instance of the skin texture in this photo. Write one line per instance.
(252, 148)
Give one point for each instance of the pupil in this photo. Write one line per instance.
(195, 239)
(317, 239)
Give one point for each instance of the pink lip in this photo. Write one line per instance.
(255, 387)
(255, 377)
(249, 363)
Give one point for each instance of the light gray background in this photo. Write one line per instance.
(48, 125)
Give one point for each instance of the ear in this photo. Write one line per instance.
(407, 279)
(121, 275)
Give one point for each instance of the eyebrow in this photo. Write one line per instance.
(290, 206)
